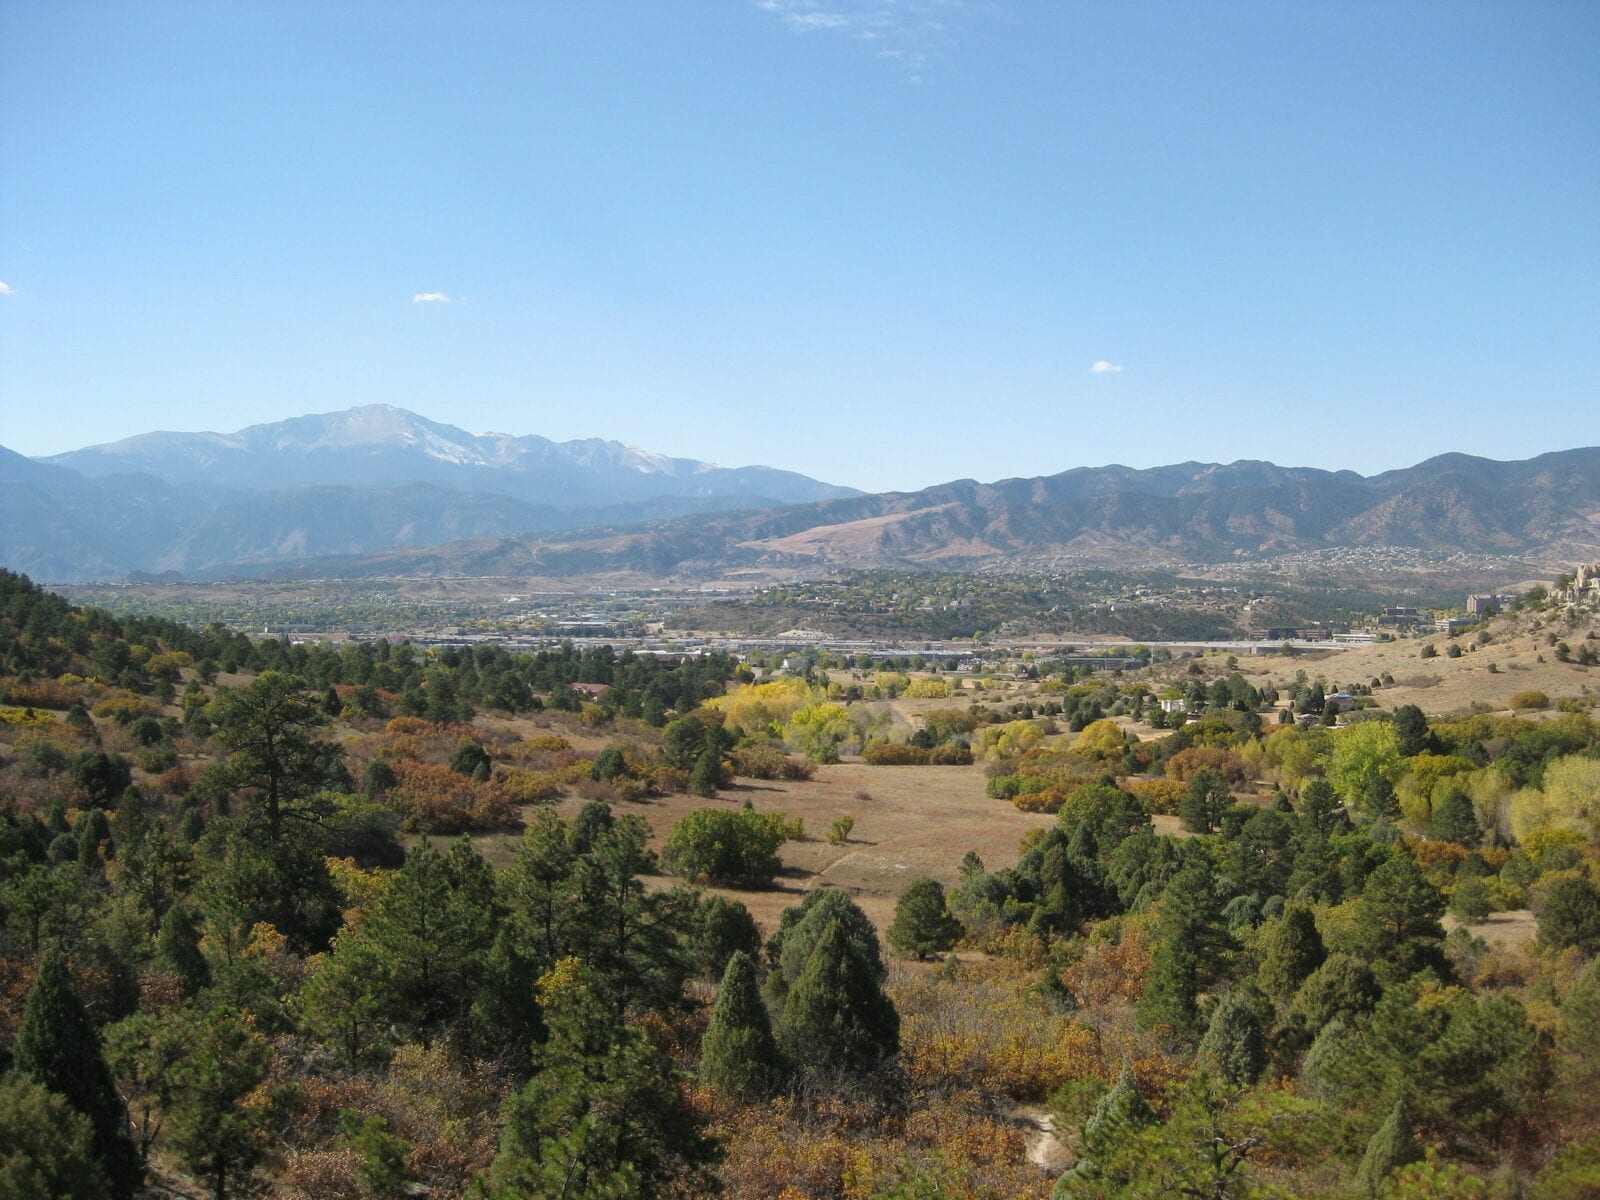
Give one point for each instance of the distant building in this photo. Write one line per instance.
(1454, 624)
(1343, 701)
(1482, 606)
(1172, 706)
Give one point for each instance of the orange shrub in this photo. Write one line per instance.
(1110, 972)
(1157, 795)
(175, 781)
(1186, 764)
(528, 787)
(434, 799)
(43, 693)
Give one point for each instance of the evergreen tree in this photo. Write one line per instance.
(1379, 802)
(718, 929)
(379, 778)
(1120, 1116)
(1235, 1044)
(608, 764)
(706, 777)
(1410, 730)
(801, 927)
(1191, 948)
(178, 950)
(1397, 924)
(1471, 901)
(269, 727)
(1569, 915)
(1203, 804)
(212, 1125)
(1318, 800)
(738, 1056)
(46, 1150)
(1291, 949)
(58, 1046)
(431, 931)
(343, 1000)
(836, 1019)
(1455, 821)
(93, 834)
(469, 756)
(1342, 988)
(922, 922)
(1393, 1145)
(1262, 855)
(603, 1117)
(1578, 1047)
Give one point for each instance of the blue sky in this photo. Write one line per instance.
(883, 243)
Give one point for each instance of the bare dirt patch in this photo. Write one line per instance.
(1515, 927)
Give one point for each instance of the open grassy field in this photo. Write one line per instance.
(909, 822)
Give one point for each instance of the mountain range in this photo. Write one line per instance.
(419, 498)
(342, 483)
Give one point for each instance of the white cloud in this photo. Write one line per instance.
(1102, 367)
(7, 290)
(909, 34)
(816, 20)
(430, 298)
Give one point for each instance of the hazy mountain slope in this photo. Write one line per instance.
(382, 446)
(344, 483)
(1547, 508)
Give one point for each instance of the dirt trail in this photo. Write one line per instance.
(1045, 1148)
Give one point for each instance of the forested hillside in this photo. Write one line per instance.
(1248, 957)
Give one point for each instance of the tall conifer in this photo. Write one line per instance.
(57, 1045)
(739, 1056)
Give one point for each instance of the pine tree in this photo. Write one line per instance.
(738, 1056)
(1202, 805)
(432, 929)
(1291, 948)
(211, 1125)
(603, 1116)
(836, 1019)
(45, 1146)
(1190, 947)
(1393, 1145)
(922, 922)
(1397, 925)
(706, 777)
(1118, 1117)
(1578, 1047)
(1411, 730)
(58, 1046)
(178, 950)
(1569, 915)
(1235, 1044)
(1455, 821)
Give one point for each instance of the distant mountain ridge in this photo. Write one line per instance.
(1545, 508)
(379, 490)
(344, 483)
(379, 445)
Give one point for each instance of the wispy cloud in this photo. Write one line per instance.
(1102, 367)
(430, 298)
(908, 35)
(7, 290)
